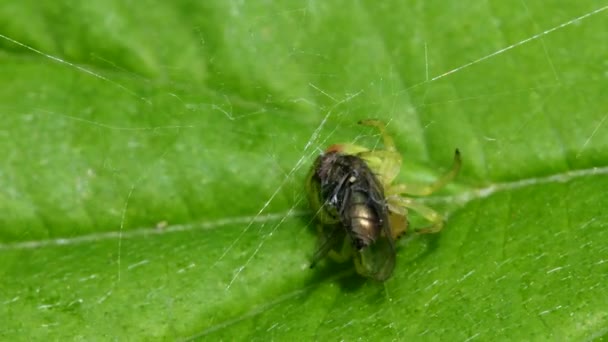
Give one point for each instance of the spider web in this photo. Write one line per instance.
(173, 184)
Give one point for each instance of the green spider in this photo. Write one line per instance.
(360, 213)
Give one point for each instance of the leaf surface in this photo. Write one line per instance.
(155, 153)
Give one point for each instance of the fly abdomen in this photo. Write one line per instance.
(363, 221)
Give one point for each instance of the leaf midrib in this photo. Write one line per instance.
(460, 199)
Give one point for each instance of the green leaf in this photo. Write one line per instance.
(151, 185)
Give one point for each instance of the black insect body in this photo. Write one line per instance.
(360, 211)
(352, 196)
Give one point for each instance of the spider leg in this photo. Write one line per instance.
(345, 252)
(398, 205)
(389, 144)
(425, 190)
(397, 217)
(385, 164)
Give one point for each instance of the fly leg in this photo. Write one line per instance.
(331, 240)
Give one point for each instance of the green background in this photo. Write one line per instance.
(153, 158)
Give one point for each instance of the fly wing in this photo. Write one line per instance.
(386, 247)
(376, 260)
